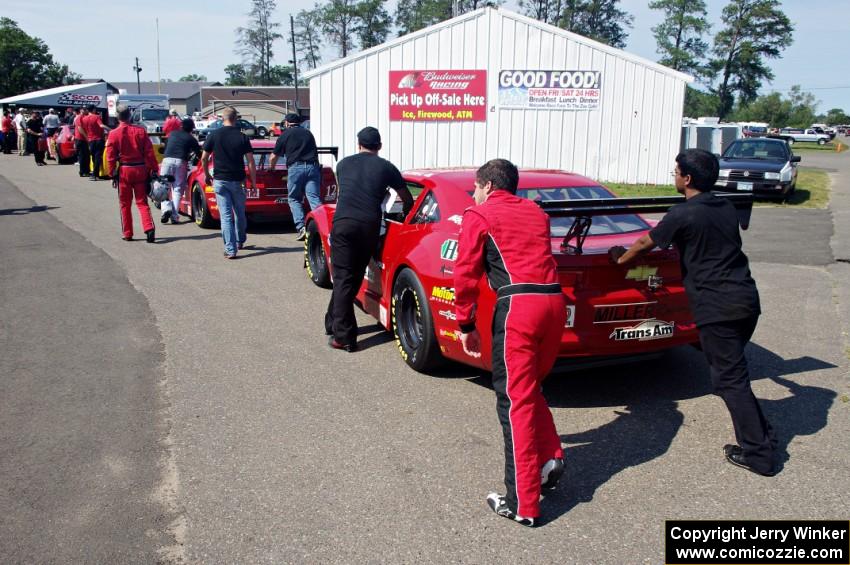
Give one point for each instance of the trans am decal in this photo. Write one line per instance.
(443, 294)
(448, 250)
(644, 331)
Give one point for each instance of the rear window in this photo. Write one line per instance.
(602, 225)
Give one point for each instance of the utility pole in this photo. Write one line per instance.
(158, 79)
(294, 61)
(138, 69)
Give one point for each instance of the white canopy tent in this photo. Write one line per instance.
(63, 96)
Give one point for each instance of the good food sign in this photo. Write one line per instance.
(550, 90)
(438, 96)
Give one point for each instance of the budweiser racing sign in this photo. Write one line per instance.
(438, 96)
(73, 99)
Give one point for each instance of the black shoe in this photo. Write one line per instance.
(151, 235)
(165, 217)
(92, 178)
(350, 347)
(499, 505)
(735, 456)
(551, 473)
(127, 238)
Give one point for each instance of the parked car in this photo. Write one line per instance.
(792, 136)
(764, 167)
(754, 131)
(267, 201)
(615, 313)
(245, 126)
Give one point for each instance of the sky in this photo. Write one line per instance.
(197, 36)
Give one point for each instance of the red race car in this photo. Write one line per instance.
(67, 151)
(266, 201)
(615, 313)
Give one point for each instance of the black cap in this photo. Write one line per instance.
(369, 136)
(292, 118)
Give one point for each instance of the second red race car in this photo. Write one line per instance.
(615, 313)
(267, 201)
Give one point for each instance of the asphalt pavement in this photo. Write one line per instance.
(269, 447)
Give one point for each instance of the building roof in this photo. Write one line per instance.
(507, 14)
(176, 90)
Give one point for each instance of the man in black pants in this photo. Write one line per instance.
(363, 179)
(722, 295)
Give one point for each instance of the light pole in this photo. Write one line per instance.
(138, 69)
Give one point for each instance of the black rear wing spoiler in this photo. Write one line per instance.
(584, 210)
(329, 151)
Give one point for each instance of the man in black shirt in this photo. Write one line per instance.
(179, 146)
(232, 149)
(303, 172)
(363, 180)
(722, 295)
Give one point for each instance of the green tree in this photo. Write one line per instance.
(803, 108)
(699, 103)
(373, 23)
(193, 78)
(602, 20)
(771, 108)
(754, 30)
(836, 116)
(413, 15)
(237, 75)
(680, 35)
(27, 63)
(255, 43)
(308, 39)
(339, 21)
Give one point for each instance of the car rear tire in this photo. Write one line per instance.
(315, 259)
(821, 141)
(413, 326)
(200, 212)
(262, 132)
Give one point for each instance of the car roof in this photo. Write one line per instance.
(463, 178)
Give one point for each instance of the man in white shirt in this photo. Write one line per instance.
(20, 127)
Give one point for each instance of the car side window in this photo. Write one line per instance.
(428, 211)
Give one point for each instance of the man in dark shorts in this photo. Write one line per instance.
(363, 180)
(303, 171)
(723, 298)
(232, 149)
(508, 238)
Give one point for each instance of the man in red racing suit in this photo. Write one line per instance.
(508, 238)
(131, 146)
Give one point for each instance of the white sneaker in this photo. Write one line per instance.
(499, 505)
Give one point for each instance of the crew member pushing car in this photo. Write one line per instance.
(179, 146)
(131, 146)
(508, 238)
(303, 171)
(363, 180)
(723, 298)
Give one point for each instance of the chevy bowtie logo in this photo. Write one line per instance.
(641, 273)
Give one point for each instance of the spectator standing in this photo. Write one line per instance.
(231, 149)
(130, 146)
(51, 127)
(723, 298)
(68, 118)
(21, 131)
(35, 129)
(8, 128)
(508, 238)
(303, 171)
(81, 143)
(172, 123)
(363, 181)
(179, 146)
(94, 130)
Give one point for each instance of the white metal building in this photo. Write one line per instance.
(630, 134)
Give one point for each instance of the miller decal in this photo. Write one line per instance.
(644, 331)
(618, 313)
(448, 250)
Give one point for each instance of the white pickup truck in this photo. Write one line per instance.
(793, 136)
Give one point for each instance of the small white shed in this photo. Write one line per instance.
(493, 83)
